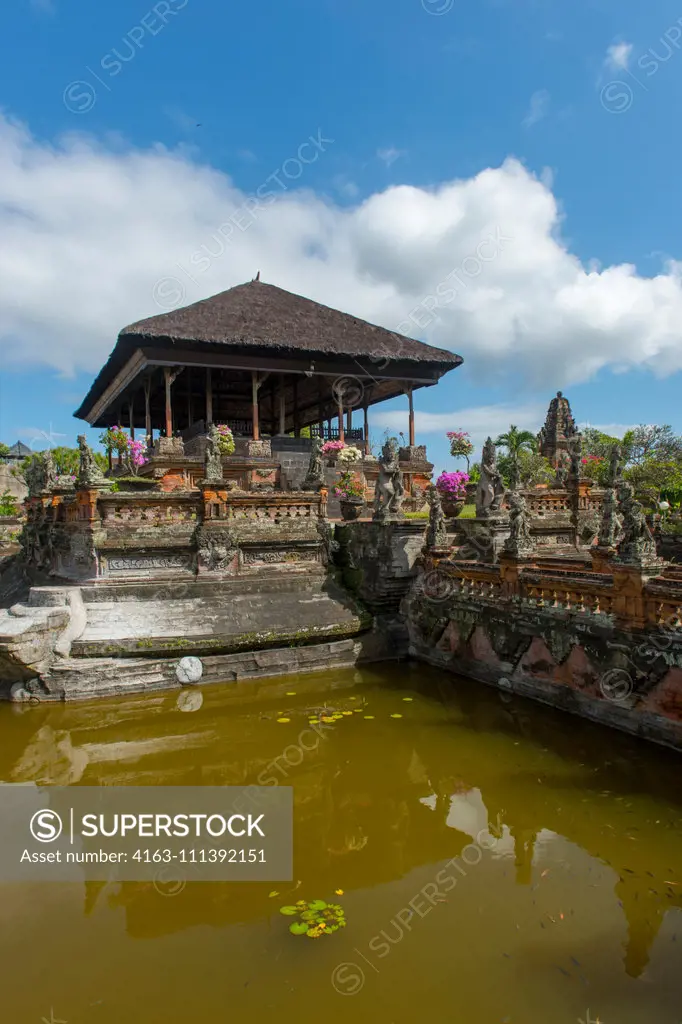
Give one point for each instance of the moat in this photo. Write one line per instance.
(499, 861)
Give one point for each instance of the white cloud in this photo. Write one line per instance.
(479, 421)
(618, 56)
(390, 155)
(538, 109)
(88, 231)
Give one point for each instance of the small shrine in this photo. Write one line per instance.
(554, 439)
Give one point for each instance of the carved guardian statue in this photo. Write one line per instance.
(389, 492)
(314, 478)
(519, 544)
(436, 534)
(490, 490)
(89, 473)
(637, 545)
(213, 461)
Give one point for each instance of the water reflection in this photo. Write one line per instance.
(384, 803)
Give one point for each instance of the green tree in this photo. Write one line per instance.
(9, 505)
(532, 468)
(515, 441)
(4, 450)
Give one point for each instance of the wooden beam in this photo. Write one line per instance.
(365, 428)
(297, 414)
(416, 373)
(131, 420)
(342, 436)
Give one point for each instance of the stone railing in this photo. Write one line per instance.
(147, 509)
(629, 596)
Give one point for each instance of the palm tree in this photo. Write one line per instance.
(515, 441)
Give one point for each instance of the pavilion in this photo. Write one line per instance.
(264, 361)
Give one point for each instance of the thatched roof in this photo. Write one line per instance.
(255, 318)
(263, 315)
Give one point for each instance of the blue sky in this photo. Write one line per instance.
(130, 134)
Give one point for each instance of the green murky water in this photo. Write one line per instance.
(499, 863)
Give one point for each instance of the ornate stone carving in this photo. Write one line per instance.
(609, 527)
(436, 534)
(558, 429)
(615, 466)
(637, 545)
(519, 543)
(490, 490)
(314, 478)
(50, 471)
(217, 549)
(575, 447)
(213, 462)
(125, 563)
(174, 447)
(89, 473)
(563, 464)
(389, 491)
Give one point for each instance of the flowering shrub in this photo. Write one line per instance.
(332, 447)
(350, 454)
(114, 439)
(452, 485)
(461, 446)
(225, 439)
(348, 487)
(132, 453)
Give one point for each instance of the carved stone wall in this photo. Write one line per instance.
(604, 646)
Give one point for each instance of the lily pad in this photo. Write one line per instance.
(298, 928)
(283, 719)
(288, 911)
(317, 905)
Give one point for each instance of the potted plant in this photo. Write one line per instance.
(452, 490)
(225, 439)
(350, 493)
(331, 450)
(349, 454)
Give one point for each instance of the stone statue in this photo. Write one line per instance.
(389, 491)
(637, 544)
(609, 527)
(615, 465)
(436, 534)
(562, 467)
(519, 543)
(213, 460)
(314, 478)
(575, 447)
(490, 490)
(50, 471)
(89, 473)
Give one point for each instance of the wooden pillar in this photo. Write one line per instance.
(349, 420)
(342, 436)
(131, 420)
(365, 428)
(209, 398)
(329, 430)
(411, 415)
(320, 408)
(297, 418)
(282, 406)
(188, 375)
(254, 406)
(168, 378)
(147, 412)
